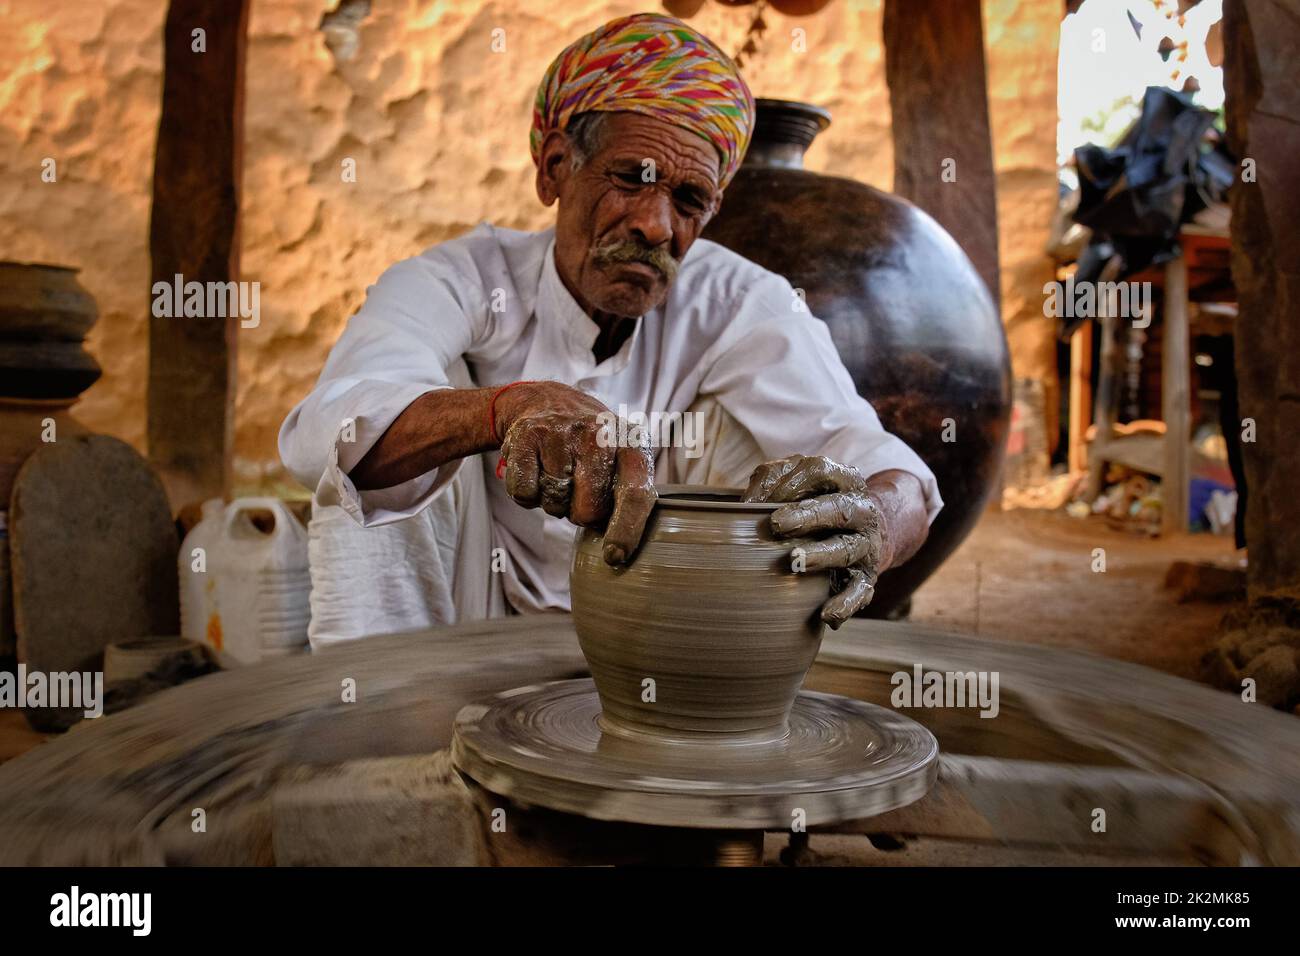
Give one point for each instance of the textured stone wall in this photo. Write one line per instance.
(1022, 40)
(80, 83)
(437, 125)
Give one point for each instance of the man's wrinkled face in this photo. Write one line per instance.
(627, 216)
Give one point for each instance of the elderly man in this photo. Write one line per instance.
(460, 429)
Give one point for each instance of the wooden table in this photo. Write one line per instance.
(1200, 273)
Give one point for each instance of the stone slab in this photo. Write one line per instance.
(93, 555)
(393, 811)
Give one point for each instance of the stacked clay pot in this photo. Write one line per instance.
(44, 317)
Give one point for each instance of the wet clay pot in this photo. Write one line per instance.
(910, 317)
(709, 610)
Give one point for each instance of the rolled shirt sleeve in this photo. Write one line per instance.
(417, 320)
(776, 371)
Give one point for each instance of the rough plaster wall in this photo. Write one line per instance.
(81, 83)
(1022, 40)
(437, 124)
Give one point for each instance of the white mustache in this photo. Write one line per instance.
(623, 250)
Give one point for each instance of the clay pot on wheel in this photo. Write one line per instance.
(911, 319)
(709, 610)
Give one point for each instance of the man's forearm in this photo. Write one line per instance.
(438, 427)
(901, 500)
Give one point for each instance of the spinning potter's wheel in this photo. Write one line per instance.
(710, 616)
(840, 759)
(301, 777)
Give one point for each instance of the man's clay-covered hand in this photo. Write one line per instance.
(865, 525)
(557, 459)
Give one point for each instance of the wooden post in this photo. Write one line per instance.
(1175, 400)
(194, 234)
(1106, 401)
(1263, 117)
(1080, 395)
(938, 100)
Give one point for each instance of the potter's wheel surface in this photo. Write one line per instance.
(842, 760)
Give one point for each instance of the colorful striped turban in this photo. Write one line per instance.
(656, 66)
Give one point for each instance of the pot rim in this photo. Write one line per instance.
(710, 498)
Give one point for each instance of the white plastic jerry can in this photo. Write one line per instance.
(197, 582)
(246, 593)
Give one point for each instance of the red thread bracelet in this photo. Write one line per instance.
(492, 418)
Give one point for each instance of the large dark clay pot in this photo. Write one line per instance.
(912, 320)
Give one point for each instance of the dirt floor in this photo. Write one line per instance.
(1036, 583)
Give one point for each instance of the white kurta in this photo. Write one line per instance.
(730, 332)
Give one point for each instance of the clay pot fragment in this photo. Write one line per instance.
(683, 9)
(798, 8)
